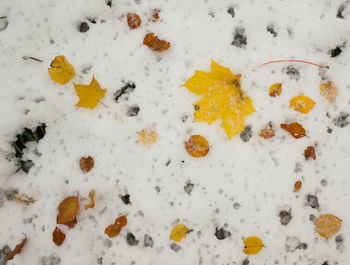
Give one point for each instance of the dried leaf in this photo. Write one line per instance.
(134, 21)
(267, 132)
(89, 95)
(253, 245)
(92, 200)
(329, 91)
(310, 153)
(154, 43)
(295, 129)
(86, 163)
(58, 236)
(23, 199)
(275, 90)
(178, 232)
(72, 223)
(67, 210)
(17, 249)
(327, 225)
(302, 104)
(155, 15)
(197, 146)
(147, 137)
(114, 229)
(61, 70)
(223, 97)
(297, 186)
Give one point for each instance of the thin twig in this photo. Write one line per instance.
(103, 104)
(32, 58)
(291, 61)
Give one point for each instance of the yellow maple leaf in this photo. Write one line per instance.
(61, 70)
(223, 97)
(253, 245)
(89, 95)
(178, 232)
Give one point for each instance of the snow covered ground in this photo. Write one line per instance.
(239, 188)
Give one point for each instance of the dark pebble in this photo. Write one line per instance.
(133, 111)
(312, 201)
(109, 3)
(188, 187)
(222, 233)
(336, 51)
(125, 198)
(239, 38)
(285, 217)
(83, 27)
(271, 29)
(246, 134)
(131, 239)
(148, 241)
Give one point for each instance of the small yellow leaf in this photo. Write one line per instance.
(147, 137)
(329, 91)
(302, 104)
(275, 90)
(61, 70)
(327, 225)
(253, 245)
(89, 95)
(223, 97)
(178, 232)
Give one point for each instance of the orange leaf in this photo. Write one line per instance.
(92, 200)
(155, 15)
(58, 236)
(17, 249)
(275, 90)
(67, 211)
(86, 164)
(267, 132)
(310, 153)
(329, 91)
(302, 104)
(327, 225)
(134, 20)
(297, 186)
(295, 129)
(114, 229)
(154, 43)
(197, 146)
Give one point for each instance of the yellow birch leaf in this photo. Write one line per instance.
(275, 90)
(89, 95)
(327, 225)
(329, 91)
(61, 70)
(253, 245)
(178, 232)
(147, 137)
(302, 104)
(222, 97)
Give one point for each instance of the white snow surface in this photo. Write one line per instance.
(258, 174)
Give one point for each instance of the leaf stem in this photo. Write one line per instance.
(32, 58)
(290, 61)
(103, 104)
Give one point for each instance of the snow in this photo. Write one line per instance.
(239, 186)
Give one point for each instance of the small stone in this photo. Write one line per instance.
(231, 11)
(131, 239)
(222, 233)
(329, 130)
(271, 29)
(246, 134)
(342, 120)
(312, 218)
(302, 246)
(336, 51)
(175, 247)
(312, 201)
(239, 38)
(236, 206)
(148, 241)
(3, 23)
(133, 111)
(109, 3)
(125, 198)
(83, 27)
(285, 217)
(188, 187)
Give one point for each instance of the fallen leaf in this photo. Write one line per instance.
(58, 236)
(223, 97)
(295, 129)
(275, 90)
(92, 200)
(302, 104)
(329, 91)
(178, 232)
(72, 223)
(253, 245)
(67, 210)
(154, 43)
(297, 186)
(61, 70)
(86, 163)
(310, 153)
(134, 21)
(147, 137)
(114, 229)
(267, 132)
(89, 95)
(197, 146)
(23, 199)
(155, 15)
(17, 249)
(327, 225)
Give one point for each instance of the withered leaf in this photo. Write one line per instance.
(114, 229)
(152, 42)
(86, 164)
(67, 211)
(23, 199)
(197, 146)
(155, 15)
(134, 21)
(58, 236)
(297, 186)
(92, 200)
(267, 132)
(310, 153)
(329, 91)
(147, 136)
(327, 225)
(295, 129)
(275, 90)
(17, 249)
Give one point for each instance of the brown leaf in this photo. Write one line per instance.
(92, 200)
(67, 211)
(267, 132)
(17, 249)
(329, 91)
(155, 15)
(327, 225)
(114, 229)
(295, 129)
(197, 146)
(297, 186)
(275, 90)
(86, 164)
(134, 21)
(310, 153)
(72, 223)
(154, 43)
(58, 236)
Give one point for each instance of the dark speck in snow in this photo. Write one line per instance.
(292, 72)
(222, 233)
(131, 239)
(246, 134)
(83, 27)
(342, 120)
(125, 198)
(188, 187)
(133, 111)
(239, 38)
(148, 241)
(312, 201)
(270, 28)
(175, 247)
(231, 11)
